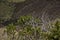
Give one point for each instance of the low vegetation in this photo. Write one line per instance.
(29, 28)
(26, 27)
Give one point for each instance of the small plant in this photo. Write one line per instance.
(54, 33)
(11, 30)
(30, 27)
(29, 20)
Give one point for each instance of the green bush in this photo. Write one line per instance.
(54, 32)
(11, 30)
(29, 30)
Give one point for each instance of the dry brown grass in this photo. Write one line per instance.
(3, 36)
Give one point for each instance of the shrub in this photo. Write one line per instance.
(54, 33)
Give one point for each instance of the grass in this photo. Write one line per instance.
(16, 1)
(3, 36)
